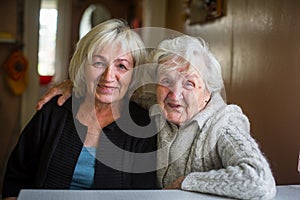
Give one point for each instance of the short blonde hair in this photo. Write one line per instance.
(111, 32)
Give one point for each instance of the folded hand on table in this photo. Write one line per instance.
(176, 184)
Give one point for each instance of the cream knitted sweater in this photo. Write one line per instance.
(216, 154)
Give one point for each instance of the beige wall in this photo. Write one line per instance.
(257, 43)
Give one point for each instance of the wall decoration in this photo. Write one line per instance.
(202, 11)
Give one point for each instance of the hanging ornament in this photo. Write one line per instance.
(16, 66)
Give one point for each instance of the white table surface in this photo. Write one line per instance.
(287, 192)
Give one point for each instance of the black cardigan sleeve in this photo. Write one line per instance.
(22, 165)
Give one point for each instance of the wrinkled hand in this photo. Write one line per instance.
(176, 184)
(64, 89)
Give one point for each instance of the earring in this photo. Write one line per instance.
(206, 101)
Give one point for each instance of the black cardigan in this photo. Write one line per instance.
(49, 146)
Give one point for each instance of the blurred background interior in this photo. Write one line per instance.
(256, 41)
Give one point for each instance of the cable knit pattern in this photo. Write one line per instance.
(220, 157)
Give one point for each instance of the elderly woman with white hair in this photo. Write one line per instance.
(204, 144)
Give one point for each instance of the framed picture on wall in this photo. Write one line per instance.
(202, 11)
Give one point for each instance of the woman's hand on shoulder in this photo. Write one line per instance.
(64, 89)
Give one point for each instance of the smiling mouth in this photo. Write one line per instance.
(174, 106)
(106, 88)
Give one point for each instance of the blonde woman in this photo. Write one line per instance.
(80, 145)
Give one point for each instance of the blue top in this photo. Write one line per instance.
(83, 176)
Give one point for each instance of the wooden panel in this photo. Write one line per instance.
(260, 60)
(9, 103)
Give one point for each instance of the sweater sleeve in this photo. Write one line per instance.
(245, 173)
(22, 163)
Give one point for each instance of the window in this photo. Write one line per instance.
(47, 40)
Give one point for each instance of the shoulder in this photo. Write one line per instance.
(231, 114)
(52, 105)
(231, 120)
(230, 109)
(52, 108)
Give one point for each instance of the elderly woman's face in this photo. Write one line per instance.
(181, 94)
(109, 75)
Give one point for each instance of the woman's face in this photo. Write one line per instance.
(181, 94)
(109, 75)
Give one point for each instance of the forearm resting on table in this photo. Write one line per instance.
(176, 184)
(64, 89)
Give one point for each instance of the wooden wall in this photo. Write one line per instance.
(257, 43)
(9, 103)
